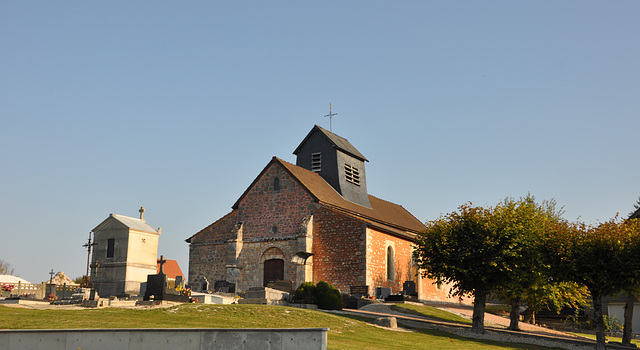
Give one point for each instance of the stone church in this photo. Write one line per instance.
(311, 221)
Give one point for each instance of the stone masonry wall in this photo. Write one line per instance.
(208, 261)
(255, 254)
(272, 213)
(339, 249)
(208, 251)
(218, 232)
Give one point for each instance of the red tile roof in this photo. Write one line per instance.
(381, 211)
(171, 269)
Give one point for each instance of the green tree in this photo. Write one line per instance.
(463, 249)
(599, 257)
(631, 254)
(552, 295)
(522, 224)
(519, 224)
(636, 206)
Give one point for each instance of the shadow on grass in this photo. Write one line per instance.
(431, 313)
(454, 340)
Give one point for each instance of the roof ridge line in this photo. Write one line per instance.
(345, 210)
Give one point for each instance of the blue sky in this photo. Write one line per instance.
(174, 106)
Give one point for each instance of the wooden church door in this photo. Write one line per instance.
(273, 270)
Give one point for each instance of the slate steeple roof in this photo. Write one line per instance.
(338, 141)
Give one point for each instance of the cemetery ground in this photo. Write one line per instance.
(346, 331)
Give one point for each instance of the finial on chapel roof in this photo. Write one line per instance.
(141, 214)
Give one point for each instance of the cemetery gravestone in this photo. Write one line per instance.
(359, 291)
(179, 281)
(382, 293)
(409, 288)
(282, 285)
(223, 286)
(157, 287)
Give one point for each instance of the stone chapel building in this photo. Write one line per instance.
(312, 221)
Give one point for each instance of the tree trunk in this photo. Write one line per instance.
(597, 316)
(628, 319)
(527, 315)
(479, 304)
(533, 316)
(514, 316)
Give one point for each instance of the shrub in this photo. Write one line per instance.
(305, 294)
(326, 296)
(329, 298)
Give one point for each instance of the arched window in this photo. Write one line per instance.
(390, 264)
(276, 184)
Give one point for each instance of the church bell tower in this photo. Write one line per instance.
(336, 160)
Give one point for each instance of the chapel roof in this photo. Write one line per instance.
(381, 211)
(338, 142)
(131, 223)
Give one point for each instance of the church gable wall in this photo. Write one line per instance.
(208, 251)
(274, 209)
(218, 232)
(339, 249)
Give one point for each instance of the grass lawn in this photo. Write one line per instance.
(429, 312)
(498, 309)
(346, 332)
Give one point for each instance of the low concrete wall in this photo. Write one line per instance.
(165, 339)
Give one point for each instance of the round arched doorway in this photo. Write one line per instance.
(273, 265)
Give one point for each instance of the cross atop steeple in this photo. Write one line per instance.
(330, 115)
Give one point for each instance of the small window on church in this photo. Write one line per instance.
(316, 162)
(276, 184)
(391, 268)
(353, 174)
(111, 245)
